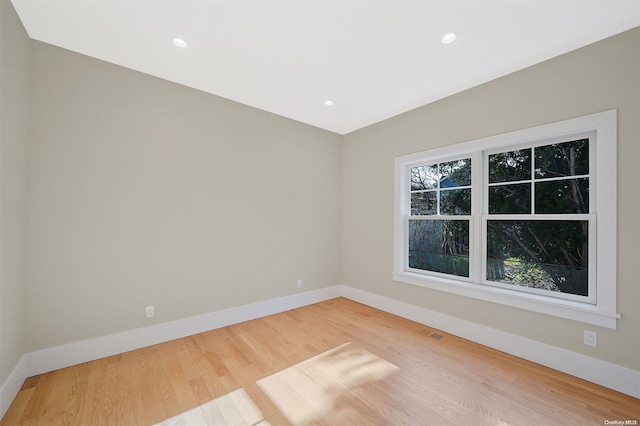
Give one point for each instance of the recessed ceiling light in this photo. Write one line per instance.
(448, 38)
(328, 102)
(179, 42)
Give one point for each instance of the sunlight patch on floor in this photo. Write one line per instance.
(233, 408)
(340, 383)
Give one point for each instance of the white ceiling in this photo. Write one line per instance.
(374, 59)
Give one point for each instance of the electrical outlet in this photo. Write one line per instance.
(299, 283)
(150, 311)
(590, 338)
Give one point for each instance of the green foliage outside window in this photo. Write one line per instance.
(549, 254)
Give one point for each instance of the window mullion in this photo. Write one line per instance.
(533, 185)
(478, 192)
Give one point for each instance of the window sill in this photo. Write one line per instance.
(576, 311)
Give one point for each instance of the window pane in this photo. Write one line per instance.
(455, 173)
(510, 166)
(455, 201)
(424, 203)
(563, 196)
(505, 199)
(550, 255)
(424, 177)
(562, 159)
(439, 246)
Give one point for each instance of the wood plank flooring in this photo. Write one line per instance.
(336, 362)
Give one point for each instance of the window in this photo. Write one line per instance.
(526, 219)
(440, 215)
(538, 221)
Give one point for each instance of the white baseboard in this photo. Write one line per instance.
(600, 372)
(603, 373)
(12, 385)
(87, 350)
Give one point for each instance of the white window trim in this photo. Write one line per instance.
(603, 312)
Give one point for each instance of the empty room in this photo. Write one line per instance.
(319, 212)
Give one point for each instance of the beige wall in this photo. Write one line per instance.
(142, 192)
(596, 78)
(145, 192)
(14, 103)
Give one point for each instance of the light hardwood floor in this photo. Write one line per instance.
(336, 362)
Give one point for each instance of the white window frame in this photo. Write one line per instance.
(470, 218)
(589, 217)
(602, 238)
